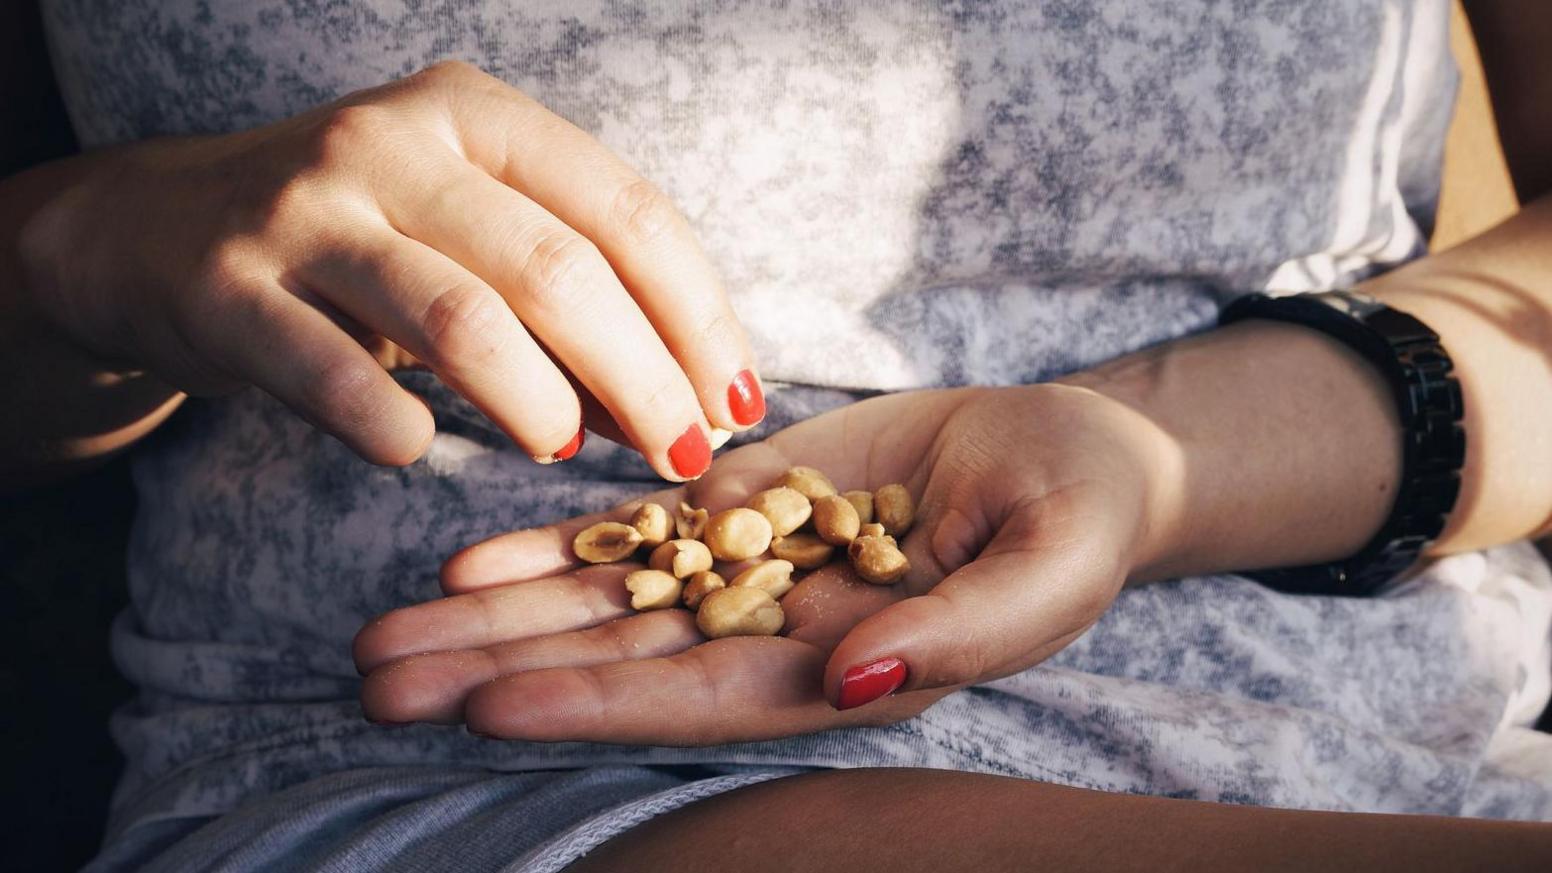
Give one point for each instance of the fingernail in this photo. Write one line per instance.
(570, 450)
(866, 683)
(690, 454)
(566, 453)
(745, 400)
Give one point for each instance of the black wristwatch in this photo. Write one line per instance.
(1417, 369)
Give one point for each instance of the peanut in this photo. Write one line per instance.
(806, 551)
(835, 520)
(773, 577)
(806, 481)
(654, 524)
(862, 501)
(736, 612)
(652, 589)
(737, 534)
(873, 529)
(784, 508)
(680, 558)
(700, 585)
(877, 560)
(691, 522)
(606, 541)
(895, 510)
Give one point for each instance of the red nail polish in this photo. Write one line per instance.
(745, 399)
(690, 454)
(866, 683)
(570, 450)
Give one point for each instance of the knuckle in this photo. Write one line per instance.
(348, 130)
(458, 328)
(963, 664)
(555, 266)
(666, 394)
(226, 268)
(340, 394)
(453, 69)
(713, 328)
(643, 213)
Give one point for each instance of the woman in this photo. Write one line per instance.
(898, 197)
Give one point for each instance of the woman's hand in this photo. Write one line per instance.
(1035, 503)
(523, 262)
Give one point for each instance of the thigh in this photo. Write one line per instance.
(901, 821)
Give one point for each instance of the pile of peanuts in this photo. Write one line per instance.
(795, 525)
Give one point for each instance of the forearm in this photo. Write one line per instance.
(65, 408)
(1288, 444)
(864, 820)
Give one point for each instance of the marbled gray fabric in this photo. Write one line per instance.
(899, 194)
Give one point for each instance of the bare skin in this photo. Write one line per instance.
(1162, 502)
(869, 821)
(1279, 413)
(446, 213)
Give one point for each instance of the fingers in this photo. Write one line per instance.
(733, 690)
(458, 326)
(546, 551)
(649, 244)
(432, 687)
(1036, 586)
(587, 597)
(295, 353)
(534, 553)
(565, 292)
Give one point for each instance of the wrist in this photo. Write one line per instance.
(49, 271)
(1287, 441)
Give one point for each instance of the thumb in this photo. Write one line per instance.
(1035, 587)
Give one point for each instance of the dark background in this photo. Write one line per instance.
(61, 568)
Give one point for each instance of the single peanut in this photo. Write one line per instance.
(784, 508)
(877, 560)
(737, 534)
(700, 585)
(739, 612)
(652, 589)
(806, 551)
(835, 520)
(773, 577)
(680, 558)
(654, 524)
(894, 509)
(606, 541)
(862, 501)
(806, 481)
(691, 522)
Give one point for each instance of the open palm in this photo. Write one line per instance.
(1031, 504)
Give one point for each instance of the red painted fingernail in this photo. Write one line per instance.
(745, 399)
(570, 450)
(866, 683)
(690, 454)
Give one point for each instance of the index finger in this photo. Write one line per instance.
(644, 237)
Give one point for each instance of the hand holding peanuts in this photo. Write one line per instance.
(446, 213)
(1010, 519)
